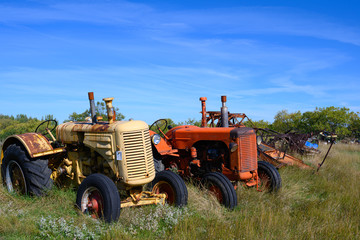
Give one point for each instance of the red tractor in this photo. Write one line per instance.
(218, 157)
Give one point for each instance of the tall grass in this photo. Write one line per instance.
(310, 205)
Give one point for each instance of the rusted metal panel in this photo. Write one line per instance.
(34, 143)
(37, 145)
(279, 158)
(71, 132)
(65, 134)
(87, 127)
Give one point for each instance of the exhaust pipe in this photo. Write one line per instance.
(110, 109)
(203, 111)
(92, 107)
(224, 113)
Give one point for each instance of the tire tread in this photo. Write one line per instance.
(274, 175)
(36, 171)
(227, 189)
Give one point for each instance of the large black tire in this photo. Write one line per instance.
(270, 179)
(221, 187)
(172, 185)
(98, 196)
(23, 175)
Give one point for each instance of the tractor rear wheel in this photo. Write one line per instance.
(98, 197)
(23, 175)
(269, 177)
(219, 185)
(172, 185)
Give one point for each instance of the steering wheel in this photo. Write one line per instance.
(160, 125)
(43, 127)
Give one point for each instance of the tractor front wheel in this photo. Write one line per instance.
(269, 177)
(172, 185)
(98, 197)
(219, 185)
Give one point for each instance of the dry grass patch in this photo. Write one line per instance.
(323, 205)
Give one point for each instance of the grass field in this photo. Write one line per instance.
(323, 205)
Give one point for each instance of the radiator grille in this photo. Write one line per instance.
(248, 152)
(138, 154)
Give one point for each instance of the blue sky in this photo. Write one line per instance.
(157, 58)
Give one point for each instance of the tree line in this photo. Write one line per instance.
(19, 124)
(341, 121)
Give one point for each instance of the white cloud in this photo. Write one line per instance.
(235, 21)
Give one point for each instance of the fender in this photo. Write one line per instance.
(35, 144)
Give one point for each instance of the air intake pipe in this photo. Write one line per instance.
(92, 107)
(224, 113)
(110, 109)
(203, 111)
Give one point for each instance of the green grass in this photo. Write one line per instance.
(323, 205)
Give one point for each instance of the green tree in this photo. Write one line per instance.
(354, 125)
(337, 120)
(5, 122)
(190, 122)
(21, 124)
(22, 118)
(257, 124)
(48, 117)
(331, 119)
(163, 124)
(100, 109)
(77, 117)
(6, 117)
(285, 121)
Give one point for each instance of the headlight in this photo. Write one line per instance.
(233, 147)
(156, 139)
(258, 140)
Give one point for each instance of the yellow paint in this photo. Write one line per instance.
(143, 198)
(1, 156)
(57, 150)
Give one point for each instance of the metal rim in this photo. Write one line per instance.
(92, 202)
(264, 180)
(165, 187)
(14, 178)
(216, 191)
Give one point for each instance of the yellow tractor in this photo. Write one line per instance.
(110, 162)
